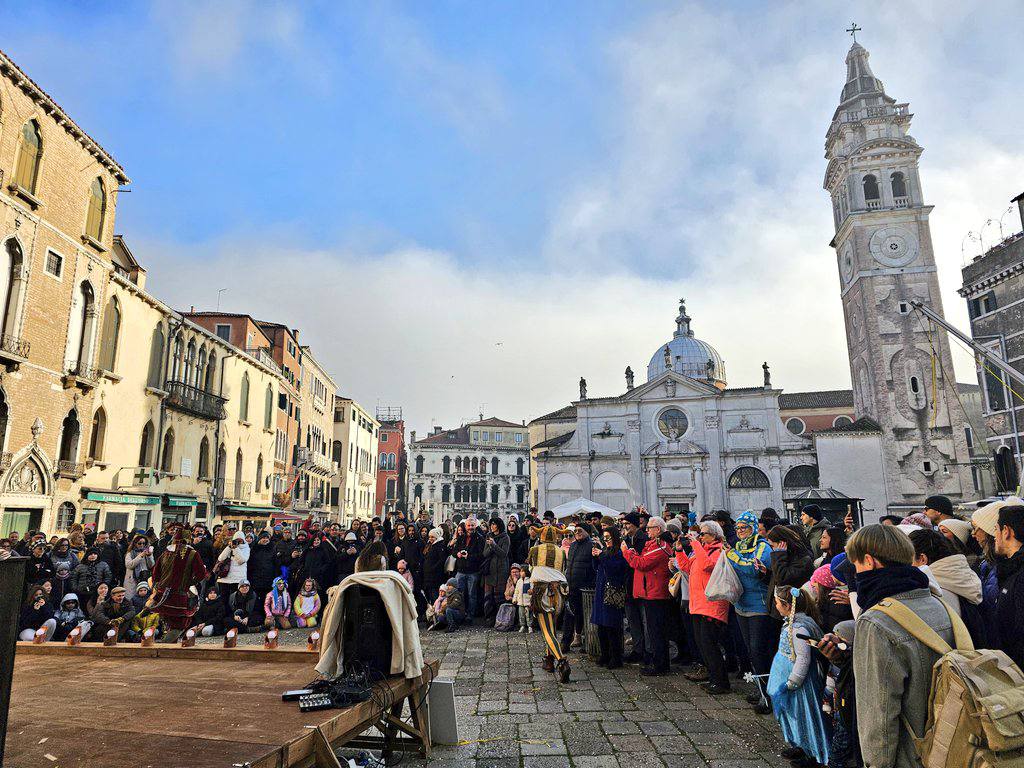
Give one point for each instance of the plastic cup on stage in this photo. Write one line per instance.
(270, 641)
(313, 641)
(111, 638)
(231, 638)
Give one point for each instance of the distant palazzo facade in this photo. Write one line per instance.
(481, 468)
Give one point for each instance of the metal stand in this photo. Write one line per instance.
(12, 582)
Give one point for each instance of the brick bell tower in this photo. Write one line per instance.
(901, 368)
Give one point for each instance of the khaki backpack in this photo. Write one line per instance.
(976, 704)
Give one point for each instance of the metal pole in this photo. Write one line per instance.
(12, 582)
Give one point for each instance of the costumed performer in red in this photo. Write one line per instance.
(178, 569)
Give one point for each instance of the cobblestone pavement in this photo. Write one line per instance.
(513, 714)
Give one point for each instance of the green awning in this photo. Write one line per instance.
(122, 498)
(235, 508)
(181, 501)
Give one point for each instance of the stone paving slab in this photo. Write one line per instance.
(513, 714)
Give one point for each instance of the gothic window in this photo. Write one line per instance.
(795, 425)
(519, 467)
(211, 372)
(899, 184)
(419, 465)
(239, 461)
(391, 461)
(268, 407)
(111, 332)
(446, 492)
(474, 493)
(458, 463)
(10, 290)
(177, 355)
(65, 516)
(97, 210)
(259, 472)
(204, 458)
(30, 153)
(243, 398)
(190, 363)
(167, 452)
(494, 465)
(748, 477)
(69, 434)
(802, 476)
(146, 444)
(871, 188)
(156, 357)
(99, 432)
(520, 494)
(382, 462)
(417, 492)
(476, 464)
(494, 494)
(80, 330)
(446, 465)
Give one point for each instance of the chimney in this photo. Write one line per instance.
(1019, 200)
(438, 430)
(481, 417)
(412, 436)
(192, 311)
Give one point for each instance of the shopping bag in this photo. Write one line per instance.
(449, 564)
(723, 583)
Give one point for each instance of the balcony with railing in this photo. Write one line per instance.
(874, 205)
(263, 355)
(72, 470)
(366, 478)
(194, 401)
(14, 350)
(233, 489)
(901, 202)
(81, 375)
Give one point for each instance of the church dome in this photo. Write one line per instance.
(689, 355)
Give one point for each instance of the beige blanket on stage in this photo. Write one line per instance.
(406, 653)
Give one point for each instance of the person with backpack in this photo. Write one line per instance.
(1009, 546)
(961, 586)
(893, 669)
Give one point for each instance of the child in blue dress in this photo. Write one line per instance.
(796, 682)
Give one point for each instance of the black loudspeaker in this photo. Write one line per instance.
(366, 633)
(12, 583)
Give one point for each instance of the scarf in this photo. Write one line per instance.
(749, 544)
(874, 586)
(280, 596)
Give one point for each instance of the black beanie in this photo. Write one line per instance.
(940, 504)
(812, 510)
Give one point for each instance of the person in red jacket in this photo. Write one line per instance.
(710, 617)
(650, 586)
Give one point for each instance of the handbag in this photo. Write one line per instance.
(614, 596)
(724, 583)
(673, 584)
(222, 568)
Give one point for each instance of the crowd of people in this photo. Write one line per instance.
(788, 606)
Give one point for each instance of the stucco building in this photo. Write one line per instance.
(355, 449)
(314, 466)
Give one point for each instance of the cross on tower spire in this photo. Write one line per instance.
(853, 29)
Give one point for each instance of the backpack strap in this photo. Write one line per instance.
(913, 624)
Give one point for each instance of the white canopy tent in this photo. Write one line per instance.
(582, 506)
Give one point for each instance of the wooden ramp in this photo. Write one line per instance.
(202, 707)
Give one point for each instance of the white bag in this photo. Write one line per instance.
(449, 564)
(723, 584)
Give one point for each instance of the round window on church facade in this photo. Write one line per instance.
(673, 423)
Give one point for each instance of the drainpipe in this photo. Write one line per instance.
(216, 448)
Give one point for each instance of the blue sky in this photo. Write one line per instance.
(468, 206)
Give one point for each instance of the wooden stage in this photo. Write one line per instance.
(172, 707)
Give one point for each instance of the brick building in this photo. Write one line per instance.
(391, 464)
(994, 288)
(58, 199)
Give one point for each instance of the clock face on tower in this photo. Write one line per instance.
(846, 262)
(893, 246)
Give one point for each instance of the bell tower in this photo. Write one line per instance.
(901, 369)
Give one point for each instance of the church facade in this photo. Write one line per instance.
(683, 440)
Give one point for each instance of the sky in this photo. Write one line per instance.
(465, 207)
